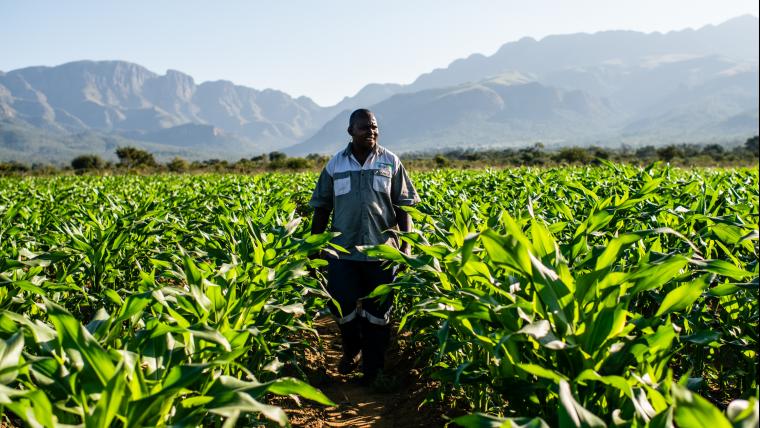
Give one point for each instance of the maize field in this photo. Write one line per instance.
(587, 296)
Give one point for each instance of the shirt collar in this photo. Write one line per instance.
(378, 150)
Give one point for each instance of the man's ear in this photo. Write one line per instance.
(349, 131)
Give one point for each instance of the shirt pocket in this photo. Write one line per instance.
(381, 182)
(342, 186)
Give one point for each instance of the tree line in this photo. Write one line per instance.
(746, 154)
(132, 159)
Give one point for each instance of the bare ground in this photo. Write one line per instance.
(361, 406)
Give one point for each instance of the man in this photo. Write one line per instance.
(364, 186)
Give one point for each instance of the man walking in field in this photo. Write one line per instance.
(363, 186)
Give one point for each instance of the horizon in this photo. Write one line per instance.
(273, 72)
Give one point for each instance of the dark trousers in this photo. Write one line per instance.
(364, 323)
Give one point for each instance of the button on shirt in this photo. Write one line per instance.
(362, 198)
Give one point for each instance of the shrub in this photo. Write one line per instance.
(12, 167)
(85, 162)
(670, 152)
(132, 157)
(753, 145)
(646, 152)
(297, 163)
(275, 156)
(178, 165)
(573, 155)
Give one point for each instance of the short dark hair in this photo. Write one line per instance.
(359, 113)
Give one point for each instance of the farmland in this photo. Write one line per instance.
(612, 295)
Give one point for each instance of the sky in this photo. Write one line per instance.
(325, 50)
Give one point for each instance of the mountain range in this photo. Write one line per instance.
(605, 88)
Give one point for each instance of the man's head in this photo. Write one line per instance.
(362, 126)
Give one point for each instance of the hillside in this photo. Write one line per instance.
(605, 88)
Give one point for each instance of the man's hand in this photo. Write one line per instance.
(403, 219)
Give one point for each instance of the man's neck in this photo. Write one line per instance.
(360, 154)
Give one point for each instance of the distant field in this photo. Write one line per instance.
(575, 296)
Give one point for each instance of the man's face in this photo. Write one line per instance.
(364, 132)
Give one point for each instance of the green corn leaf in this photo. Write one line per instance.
(650, 185)
(33, 407)
(192, 273)
(541, 331)
(30, 287)
(10, 355)
(723, 290)
(73, 337)
(744, 413)
(289, 385)
(683, 296)
(211, 335)
(722, 267)
(618, 382)
(494, 246)
(654, 276)
(542, 372)
(111, 400)
(614, 246)
(543, 242)
(572, 414)
(481, 420)
(693, 411)
(133, 306)
(702, 337)
(233, 404)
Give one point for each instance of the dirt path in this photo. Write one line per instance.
(360, 406)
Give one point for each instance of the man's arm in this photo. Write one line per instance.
(320, 220)
(404, 222)
(319, 225)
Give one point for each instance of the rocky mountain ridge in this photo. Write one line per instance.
(602, 88)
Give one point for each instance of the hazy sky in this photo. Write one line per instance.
(322, 49)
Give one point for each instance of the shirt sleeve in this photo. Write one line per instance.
(402, 189)
(323, 193)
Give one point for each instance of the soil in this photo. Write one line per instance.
(398, 405)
